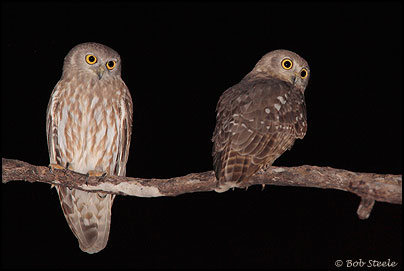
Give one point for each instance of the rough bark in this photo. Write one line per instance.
(370, 187)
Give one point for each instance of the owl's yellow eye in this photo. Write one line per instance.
(111, 64)
(303, 73)
(287, 64)
(91, 59)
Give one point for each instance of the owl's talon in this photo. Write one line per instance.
(263, 186)
(54, 166)
(94, 173)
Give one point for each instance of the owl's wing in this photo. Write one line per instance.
(124, 131)
(52, 124)
(257, 120)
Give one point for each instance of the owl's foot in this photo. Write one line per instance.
(94, 173)
(52, 167)
(262, 170)
(56, 166)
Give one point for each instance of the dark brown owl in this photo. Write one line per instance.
(260, 118)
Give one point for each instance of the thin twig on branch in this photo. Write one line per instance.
(370, 187)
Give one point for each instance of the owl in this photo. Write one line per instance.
(88, 127)
(260, 118)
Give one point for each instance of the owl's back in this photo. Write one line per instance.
(257, 120)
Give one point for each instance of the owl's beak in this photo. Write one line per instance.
(100, 71)
(294, 79)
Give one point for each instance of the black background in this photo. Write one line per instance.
(178, 58)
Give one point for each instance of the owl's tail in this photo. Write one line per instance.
(232, 168)
(88, 216)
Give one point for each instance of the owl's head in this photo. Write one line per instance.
(286, 66)
(92, 60)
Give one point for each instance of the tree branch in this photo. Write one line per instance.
(370, 187)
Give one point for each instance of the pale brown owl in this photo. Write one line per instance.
(89, 126)
(259, 118)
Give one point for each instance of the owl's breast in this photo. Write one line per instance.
(88, 131)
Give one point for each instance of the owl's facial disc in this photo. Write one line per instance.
(95, 66)
(294, 73)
